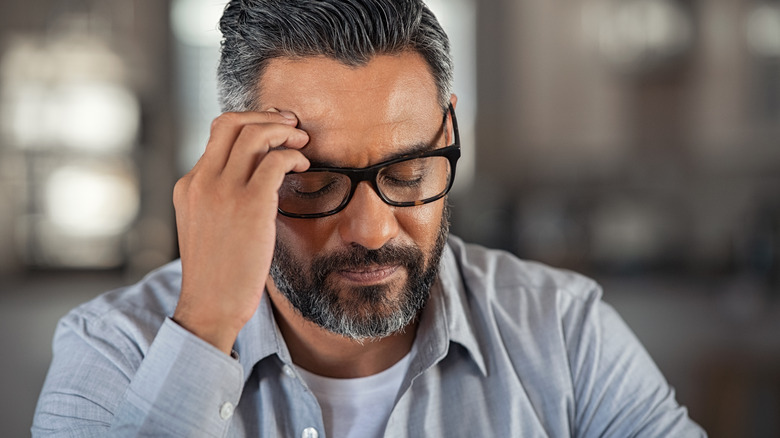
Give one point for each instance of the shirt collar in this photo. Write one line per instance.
(260, 338)
(446, 318)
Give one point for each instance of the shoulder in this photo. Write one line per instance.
(496, 275)
(524, 308)
(549, 330)
(156, 294)
(124, 320)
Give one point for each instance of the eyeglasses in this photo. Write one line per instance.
(405, 181)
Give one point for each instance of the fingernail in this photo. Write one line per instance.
(287, 115)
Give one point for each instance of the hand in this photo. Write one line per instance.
(226, 216)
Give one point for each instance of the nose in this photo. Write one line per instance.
(367, 220)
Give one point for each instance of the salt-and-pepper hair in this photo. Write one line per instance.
(350, 31)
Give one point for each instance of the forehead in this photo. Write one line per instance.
(356, 116)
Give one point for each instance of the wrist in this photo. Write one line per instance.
(215, 332)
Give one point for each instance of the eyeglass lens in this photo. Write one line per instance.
(409, 182)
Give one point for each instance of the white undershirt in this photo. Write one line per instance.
(358, 407)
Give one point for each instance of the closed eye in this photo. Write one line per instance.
(312, 185)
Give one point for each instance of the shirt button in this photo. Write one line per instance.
(288, 371)
(310, 432)
(226, 411)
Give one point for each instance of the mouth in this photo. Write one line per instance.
(369, 274)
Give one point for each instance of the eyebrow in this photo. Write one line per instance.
(412, 149)
(407, 150)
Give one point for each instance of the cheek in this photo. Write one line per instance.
(422, 224)
(305, 237)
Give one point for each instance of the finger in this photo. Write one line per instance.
(254, 142)
(226, 128)
(276, 164)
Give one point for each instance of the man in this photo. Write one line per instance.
(318, 293)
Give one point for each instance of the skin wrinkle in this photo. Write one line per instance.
(400, 151)
(317, 114)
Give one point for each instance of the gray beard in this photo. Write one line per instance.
(365, 312)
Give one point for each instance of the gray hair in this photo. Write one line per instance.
(350, 31)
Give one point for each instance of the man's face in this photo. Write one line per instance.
(366, 271)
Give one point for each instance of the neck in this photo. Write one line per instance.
(327, 354)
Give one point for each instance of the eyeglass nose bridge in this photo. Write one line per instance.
(357, 176)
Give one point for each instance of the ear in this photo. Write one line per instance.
(453, 100)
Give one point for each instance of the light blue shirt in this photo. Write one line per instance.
(505, 348)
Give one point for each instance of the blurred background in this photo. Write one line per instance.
(637, 141)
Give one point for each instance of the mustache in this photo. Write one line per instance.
(358, 257)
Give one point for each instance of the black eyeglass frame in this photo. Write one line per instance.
(370, 174)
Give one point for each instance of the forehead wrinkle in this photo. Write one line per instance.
(356, 116)
(396, 151)
(407, 150)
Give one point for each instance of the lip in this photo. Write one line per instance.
(369, 275)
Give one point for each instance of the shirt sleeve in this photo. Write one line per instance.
(619, 391)
(110, 385)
